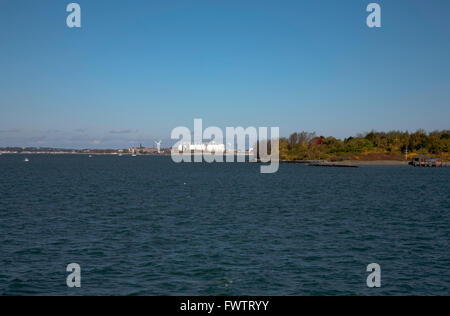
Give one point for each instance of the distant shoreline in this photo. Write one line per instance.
(116, 154)
(80, 153)
(339, 163)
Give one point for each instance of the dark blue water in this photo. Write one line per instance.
(147, 226)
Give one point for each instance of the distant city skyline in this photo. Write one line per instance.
(138, 69)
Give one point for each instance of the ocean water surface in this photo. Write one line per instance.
(147, 226)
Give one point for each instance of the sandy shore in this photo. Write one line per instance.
(353, 162)
(372, 163)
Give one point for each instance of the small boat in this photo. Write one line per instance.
(26, 160)
(133, 155)
(90, 156)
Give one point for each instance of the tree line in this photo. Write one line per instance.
(370, 146)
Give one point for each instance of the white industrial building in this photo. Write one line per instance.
(211, 147)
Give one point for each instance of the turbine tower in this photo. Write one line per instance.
(158, 145)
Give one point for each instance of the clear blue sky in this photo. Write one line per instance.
(137, 69)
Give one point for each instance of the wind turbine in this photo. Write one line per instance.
(158, 145)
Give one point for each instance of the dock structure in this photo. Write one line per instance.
(427, 162)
